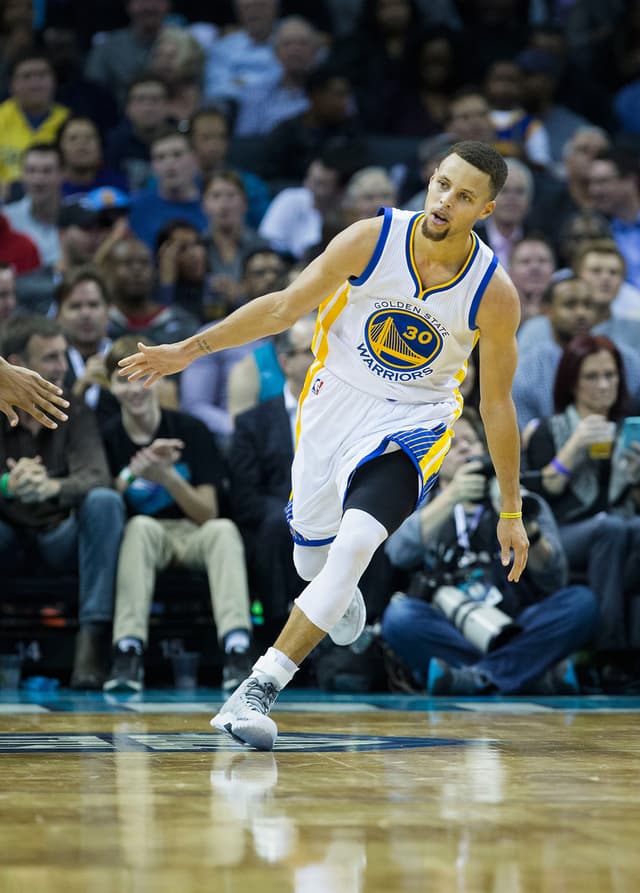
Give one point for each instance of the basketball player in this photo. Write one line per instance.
(27, 390)
(402, 298)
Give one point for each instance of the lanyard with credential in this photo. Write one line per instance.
(463, 526)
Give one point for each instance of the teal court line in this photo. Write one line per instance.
(207, 700)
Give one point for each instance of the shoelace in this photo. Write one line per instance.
(260, 695)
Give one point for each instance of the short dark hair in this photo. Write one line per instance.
(229, 176)
(169, 228)
(85, 273)
(73, 119)
(123, 347)
(49, 148)
(208, 112)
(568, 372)
(28, 54)
(538, 238)
(599, 246)
(485, 158)
(556, 280)
(19, 330)
(168, 132)
(625, 162)
(146, 78)
(466, 91)
(263, 249)
(321, 76)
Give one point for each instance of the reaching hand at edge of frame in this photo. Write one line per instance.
(25, 389)
(512, 537)
(152, 363)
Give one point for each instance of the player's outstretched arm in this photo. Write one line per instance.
(23, 388)
(346, 255)
(498, 320)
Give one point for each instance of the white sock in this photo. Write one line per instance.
(274, 667)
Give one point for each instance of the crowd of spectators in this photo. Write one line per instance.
(162, 163)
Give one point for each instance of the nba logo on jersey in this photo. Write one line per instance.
(317, 386)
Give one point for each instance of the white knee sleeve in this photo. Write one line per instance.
(309, 560)
(327, 597)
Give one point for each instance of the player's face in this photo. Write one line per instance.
(458, 195)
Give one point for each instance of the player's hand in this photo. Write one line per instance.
(151, 363)
(513, 538)
(24, 389)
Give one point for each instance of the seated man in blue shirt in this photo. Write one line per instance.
(176, 196)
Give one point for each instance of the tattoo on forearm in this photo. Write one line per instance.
(203, 345)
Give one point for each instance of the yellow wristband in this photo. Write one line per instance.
(510, 515)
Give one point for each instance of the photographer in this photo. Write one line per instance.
(496, 636)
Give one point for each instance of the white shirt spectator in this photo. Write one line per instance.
(626, 304)
(292, 222)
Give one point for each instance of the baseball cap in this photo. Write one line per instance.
(74, 214)
(104, 198)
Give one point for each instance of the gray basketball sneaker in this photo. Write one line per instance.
(352, 622)
(245, 717)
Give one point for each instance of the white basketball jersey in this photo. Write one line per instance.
(384, 334)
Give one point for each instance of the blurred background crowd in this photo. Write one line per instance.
(162, 163)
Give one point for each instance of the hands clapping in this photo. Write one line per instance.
(29, 481)
(156, 461)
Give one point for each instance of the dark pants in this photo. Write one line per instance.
(551, 630)
(87, 542)
(602, 546)
(272, 575)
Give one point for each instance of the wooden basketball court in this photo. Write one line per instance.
(375, 793)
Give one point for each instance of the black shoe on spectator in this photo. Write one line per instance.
(237, 666)
(88, 667)
(127, 671)
(560, 679)
(443, 679)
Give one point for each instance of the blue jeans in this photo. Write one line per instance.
(551, 630)
(87, 542)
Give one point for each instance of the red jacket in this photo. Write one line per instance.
(17, 249)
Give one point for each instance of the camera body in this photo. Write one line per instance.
(530, 505)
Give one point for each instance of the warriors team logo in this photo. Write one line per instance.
(402, 342)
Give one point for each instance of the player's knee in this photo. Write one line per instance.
(358, 546)
(309, 560)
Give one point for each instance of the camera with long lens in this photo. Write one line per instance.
(462, 589)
